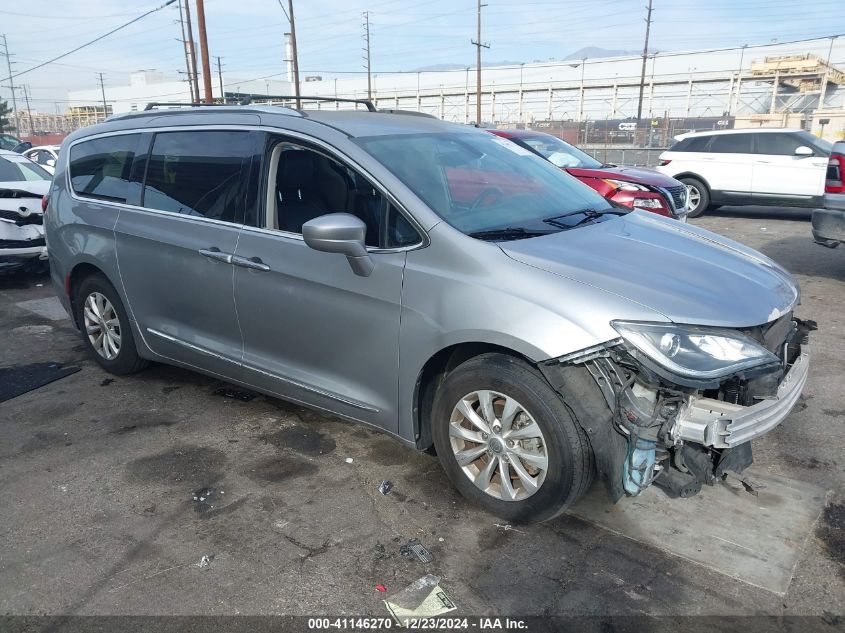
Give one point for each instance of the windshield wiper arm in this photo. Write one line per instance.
(589, 214)
(506, 233)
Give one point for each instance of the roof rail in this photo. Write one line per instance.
(249, 98)
(193, 104)
(407, 112)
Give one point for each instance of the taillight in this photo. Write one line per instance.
(665, 161)
(44, 201)
(835, 182)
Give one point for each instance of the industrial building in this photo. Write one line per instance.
(798, 84)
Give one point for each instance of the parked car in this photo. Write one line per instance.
(9, 142)
(531, 332)
(767, 166)
(23, 185)
(44, 155)
(634, 187)
(829, 222)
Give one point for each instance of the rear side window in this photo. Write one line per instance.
(199, 173)
(779, 144)
(692, 144)
(100, 168)
(731, 144)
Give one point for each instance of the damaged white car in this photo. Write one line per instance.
(23, 185)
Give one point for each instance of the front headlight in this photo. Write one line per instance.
(624, 185)
(647, 203)
(695, 352)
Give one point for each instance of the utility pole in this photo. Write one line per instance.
(206, 66)
(478, 46)
(187, 56)
(28, 111)
(103, 92)
(220, 79)
(367, 58)
(11, 83)
(645, 57)
(295, 54)
(193, 74)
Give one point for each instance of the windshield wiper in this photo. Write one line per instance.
(507, 233)
(589, 215)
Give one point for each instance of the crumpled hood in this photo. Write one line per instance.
(685, 273)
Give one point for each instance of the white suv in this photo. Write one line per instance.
(772, 166)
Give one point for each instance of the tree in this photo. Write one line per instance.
(6, 118)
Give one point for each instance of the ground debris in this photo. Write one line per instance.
(413, 548)
(205, 561)
(235, 394)
(423, 598)
(385, 486)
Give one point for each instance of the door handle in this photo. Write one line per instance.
(216, 254)
(253, 263)
(764, 162)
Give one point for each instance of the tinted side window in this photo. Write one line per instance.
(308, 184)
(99, 168)
(780, 144)
(731, 144)
(199, 173)
(692, 144)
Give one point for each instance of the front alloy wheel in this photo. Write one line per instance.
(102, 325)
(693, 197)
(507, 440)
(498, 445)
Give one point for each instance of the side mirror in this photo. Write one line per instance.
(803, 151)
(340, 233)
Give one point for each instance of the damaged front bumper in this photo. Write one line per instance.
(681, 436)
(21, 243)
(719, 424)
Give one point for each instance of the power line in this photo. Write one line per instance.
(97, 39)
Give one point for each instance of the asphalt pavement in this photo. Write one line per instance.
(113, 489)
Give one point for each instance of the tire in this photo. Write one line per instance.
(126, 359)
(564, 445)
(695, 186)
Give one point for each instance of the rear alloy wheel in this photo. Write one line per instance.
(507, 441)
(698, 198)
(105, 326)
(102, 326)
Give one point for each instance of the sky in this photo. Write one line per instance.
(405, 34)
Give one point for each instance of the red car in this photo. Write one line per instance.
(633, 187)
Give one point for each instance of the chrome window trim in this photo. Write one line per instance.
(424, 238)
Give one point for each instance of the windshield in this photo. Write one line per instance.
(17, 168)
(558, 152)
(819, 145)
(480, 183)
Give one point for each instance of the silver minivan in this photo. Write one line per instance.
(433, 281)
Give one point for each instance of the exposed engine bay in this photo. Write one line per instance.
(681, 433)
